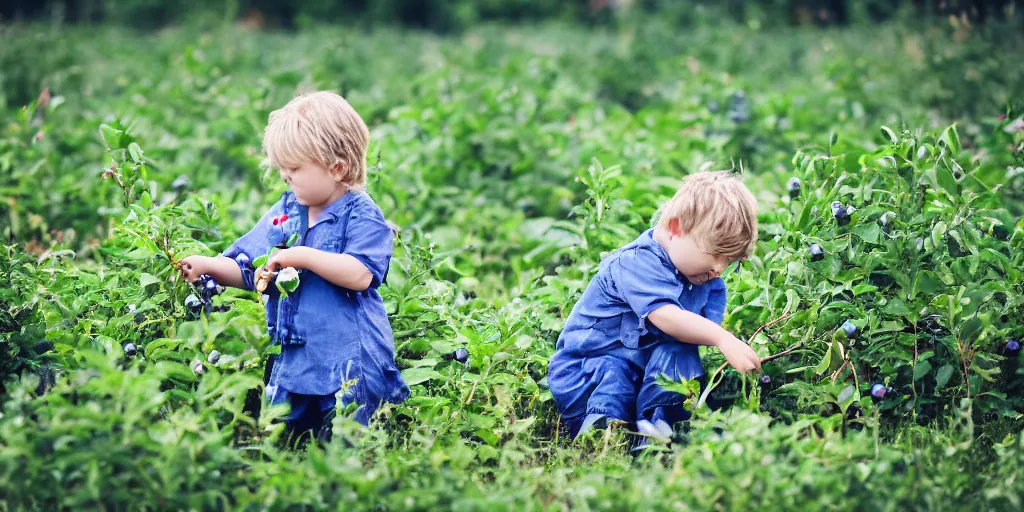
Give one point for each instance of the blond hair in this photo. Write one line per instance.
(717, 209)
(318, 127)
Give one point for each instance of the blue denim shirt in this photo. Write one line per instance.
(329, 335)
(611, 316)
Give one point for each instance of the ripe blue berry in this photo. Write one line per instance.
(766, 380)
(794, 187)
(850, 330)
(461, 355)
(1013, 346)
(878, 390)
(193, 303)
(842, 216)
(817, 253)
(130, 350)
(213, 357)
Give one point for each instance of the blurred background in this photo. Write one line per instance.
(453, 15)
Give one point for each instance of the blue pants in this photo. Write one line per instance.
(622, 383)
(311, 414)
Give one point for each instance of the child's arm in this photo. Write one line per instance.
(363, 264)
(340, 269)
(684, 325)
(653, 293)
(225, 268)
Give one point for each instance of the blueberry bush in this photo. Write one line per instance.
(885, 292)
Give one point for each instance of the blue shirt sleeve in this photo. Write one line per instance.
(645, 283)
(714, 309)
(370, 240)
(254, 244)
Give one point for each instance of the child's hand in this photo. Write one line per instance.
(739, 355)
(194, 266)
(295, 257)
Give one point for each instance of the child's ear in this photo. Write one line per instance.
(338, 171)
(673, 227)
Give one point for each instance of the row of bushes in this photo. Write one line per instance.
(446, 15)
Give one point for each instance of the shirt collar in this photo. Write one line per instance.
(335, 209)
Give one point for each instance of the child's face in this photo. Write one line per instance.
(312, 184)
(690, 260)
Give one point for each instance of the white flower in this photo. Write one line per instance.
(287, 275)
(287, 280)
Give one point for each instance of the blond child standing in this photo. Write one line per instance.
(333, 328)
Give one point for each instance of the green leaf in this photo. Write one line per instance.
(826, 362)
(260, 261)
(922, 369)
(946, 181)
(846, 396)
(111, 136)
(861, 289)
(136, 152)
(943, 375)
(888, 133)
(928, 282)
(951, 139)
(147, 279)
(414, 376)
(969, 331)
(869, 232)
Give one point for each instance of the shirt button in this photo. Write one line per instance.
(689, 287)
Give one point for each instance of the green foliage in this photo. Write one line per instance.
(513, 160)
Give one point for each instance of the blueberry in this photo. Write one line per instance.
(842, 216)
(1013, 346)
(210, 284)
(817, 253)
(886, 220)
(213, 357)
(193, 303)
(878, 390)
(462, 355)
(181, 183)
(766, 380)
(739, 116)
(836, 206)
(794, 187)
(130, 350)
(851, 330)
(197, 368)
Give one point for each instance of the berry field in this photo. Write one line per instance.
(887, 289)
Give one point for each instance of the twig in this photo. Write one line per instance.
(712, 382)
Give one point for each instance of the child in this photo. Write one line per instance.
(333, 328)
(649, 306)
